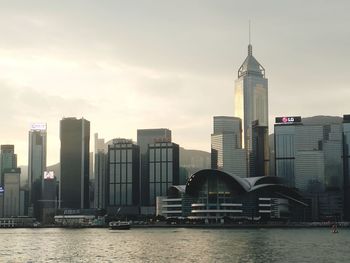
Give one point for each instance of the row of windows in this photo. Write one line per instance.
(284, 146)
(120, 156)
(120, 194)
(160, 154)
(120, 173)
(161, 172)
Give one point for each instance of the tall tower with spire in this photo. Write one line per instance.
(251, 105)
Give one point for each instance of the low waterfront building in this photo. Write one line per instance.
(213, 196)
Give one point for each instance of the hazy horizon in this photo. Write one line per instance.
(127, 65)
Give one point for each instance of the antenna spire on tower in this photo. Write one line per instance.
(249, 34)
(250, 48)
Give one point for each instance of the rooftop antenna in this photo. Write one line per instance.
(250, 49)
(249, 34)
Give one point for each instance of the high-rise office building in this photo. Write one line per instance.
(301, 151)
(309, 158)
(259, 157)
(8, 159)
(100, 173)
(12, 192)
(226, 146)
(49, 196)
(36, 166)
(163, 168)
(123, 173)
(251, 102)
(74, 182)
(346, 165)
(144, 138)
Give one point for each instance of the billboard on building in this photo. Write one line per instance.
(49, 175)
(38, 127)
(288, 120)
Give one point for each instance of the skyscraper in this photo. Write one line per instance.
(346, 165)
(309, 157)
(8, 159)
(123, 173)
(251, 101)
(163, 168)
(100, 173)
(74, 182)
(36, 165)
(12, 192)
(226, 146)
(144, 138)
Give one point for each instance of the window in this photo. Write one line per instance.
(129, 173)
(170, 172)
(117, 194)
(170, 154)
(157, 179)
(151, 155)
(111, 173)
(123, 194)
(124, 174)
(117, 173)
(129, 155)
(164, 173)
(129, 194)
(111, 194)
(151, 172)
(157, 155)
(164, 158)
(123, 156)
(112, 156)
(117, 156)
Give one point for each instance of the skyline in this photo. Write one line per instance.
(144, 66)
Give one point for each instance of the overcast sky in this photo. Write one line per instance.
(125, 65)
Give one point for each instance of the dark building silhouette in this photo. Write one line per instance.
(259, 156)
(346, 165)
(36, 166)
(74, 182)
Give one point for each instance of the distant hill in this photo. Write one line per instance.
(322, 120)
(194, 158)
(192, 161)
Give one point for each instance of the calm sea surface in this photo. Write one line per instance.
(174, 245)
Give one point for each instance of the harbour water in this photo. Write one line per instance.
(174, 245)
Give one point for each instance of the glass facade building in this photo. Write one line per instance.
(100, 173)
(226, 146)
(12, 192)
(251, 101)
(163, 168)
(8, 159)
(144, 138)
(36, 167)
(123, 173)
(309, 157)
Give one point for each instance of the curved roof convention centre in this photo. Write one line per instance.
(241, 185)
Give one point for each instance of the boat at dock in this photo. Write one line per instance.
(119, 225)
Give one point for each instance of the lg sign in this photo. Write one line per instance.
(288, 120)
